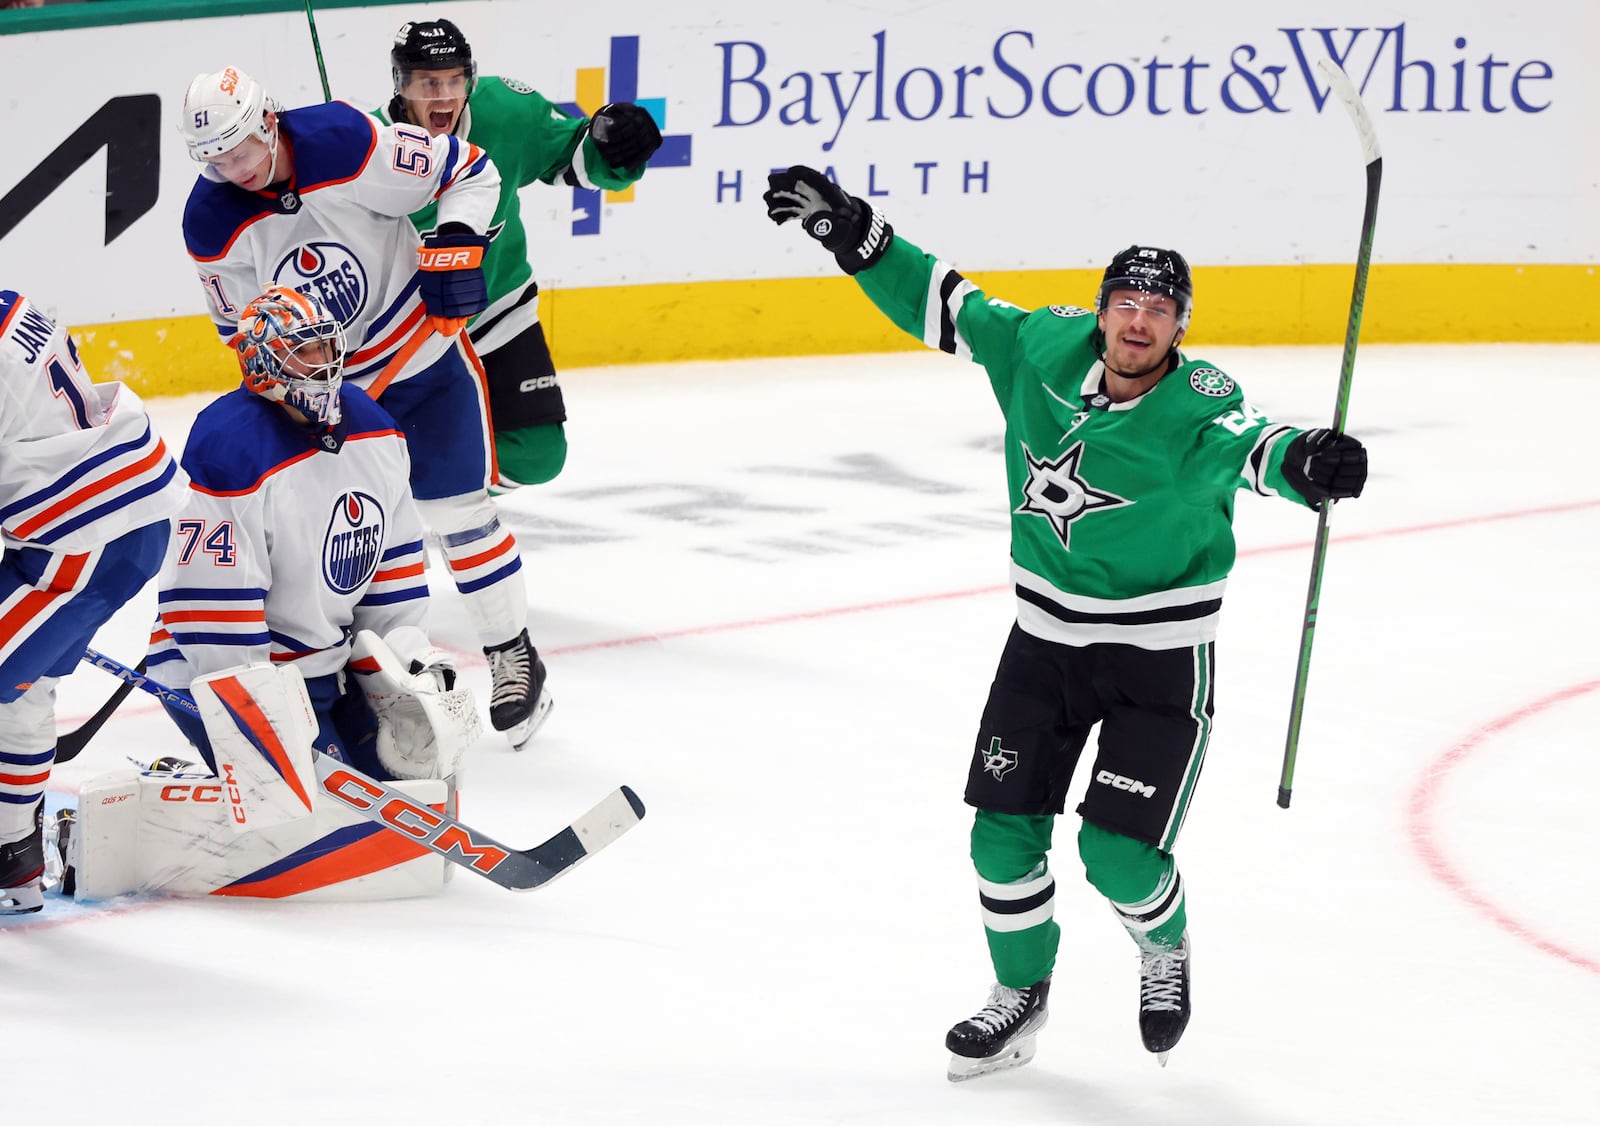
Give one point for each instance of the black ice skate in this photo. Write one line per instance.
(1001, 1035)
(519, 701)
(1163, 996)
(22, 870)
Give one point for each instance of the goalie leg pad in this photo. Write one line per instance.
(422, 729)
(262, 730)
(171, 834)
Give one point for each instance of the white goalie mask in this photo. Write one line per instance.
(222, 110)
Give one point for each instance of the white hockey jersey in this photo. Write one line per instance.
(291, 541)
(340, 229)
(80, 463)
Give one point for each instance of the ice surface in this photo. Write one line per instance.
(771, 595)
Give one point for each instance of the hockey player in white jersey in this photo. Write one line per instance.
(317, 199)
(86, 487)
(300, 534)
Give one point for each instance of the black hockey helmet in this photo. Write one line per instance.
(1150, 270)
(431, 45)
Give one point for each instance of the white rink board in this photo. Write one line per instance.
(1028, 135)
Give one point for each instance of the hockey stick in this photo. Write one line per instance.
(1339, 85)
(316, 45)
(69, 745)
(516, 869)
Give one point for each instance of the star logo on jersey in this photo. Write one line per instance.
(1057, 491)
(997, 761)
(1210, 381)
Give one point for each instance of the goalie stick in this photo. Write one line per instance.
(1341, 87)
(516, 869)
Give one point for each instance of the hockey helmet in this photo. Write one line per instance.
(1150, 269)
(221, 110)
(277, 346)
(431, 45)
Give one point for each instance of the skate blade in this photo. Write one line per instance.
(1020, 1052)
(24, 900)
(1161, 1057)
(524, 731)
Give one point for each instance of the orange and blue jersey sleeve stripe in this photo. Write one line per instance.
(400, 576)
(215, 616)
(97, 487)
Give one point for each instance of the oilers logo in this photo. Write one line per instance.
(329, 270)
(353, 544)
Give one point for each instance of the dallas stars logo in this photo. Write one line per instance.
(1057, 491)
(997, 760)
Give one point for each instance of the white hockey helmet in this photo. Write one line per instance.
(222, 109)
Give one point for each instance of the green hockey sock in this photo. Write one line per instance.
(1141, 882)
(1016, 893)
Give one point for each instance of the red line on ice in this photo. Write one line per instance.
(1420, 824)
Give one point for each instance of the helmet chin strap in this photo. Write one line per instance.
(272, 151)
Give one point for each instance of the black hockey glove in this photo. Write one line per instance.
(1323, 465)
(450, 264)
(855, 232)
(625, 135)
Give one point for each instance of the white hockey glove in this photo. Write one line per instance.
(425, 722)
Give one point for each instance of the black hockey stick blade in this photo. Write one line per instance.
(69, 746)
(516, 869)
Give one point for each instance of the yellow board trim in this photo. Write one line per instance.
(1237, 305)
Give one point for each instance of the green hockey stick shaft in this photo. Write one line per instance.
(316, 45)
(1341, 87)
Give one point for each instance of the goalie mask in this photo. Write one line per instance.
(1150, 269)
(291, 350)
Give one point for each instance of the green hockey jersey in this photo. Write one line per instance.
(1121, 513)
(529, 139)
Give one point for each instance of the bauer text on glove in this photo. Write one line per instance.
(450, 264)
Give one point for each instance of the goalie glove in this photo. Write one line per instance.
(425, 722)
(625, 135)
(855, 231)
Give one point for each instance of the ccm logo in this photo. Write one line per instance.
(1132, 785)
(191, 793)
(537, 383)
(415, 821)
(235, 799)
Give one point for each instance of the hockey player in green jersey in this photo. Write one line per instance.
(436, 87)
(1123, 456)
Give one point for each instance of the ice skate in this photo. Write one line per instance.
(22, 870)
(1163, 997)
(519, 701)
(1001, 1035)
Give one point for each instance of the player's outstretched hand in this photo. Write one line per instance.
(625, 135)
(1324, 465)
(844, 224)
(452, 286)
